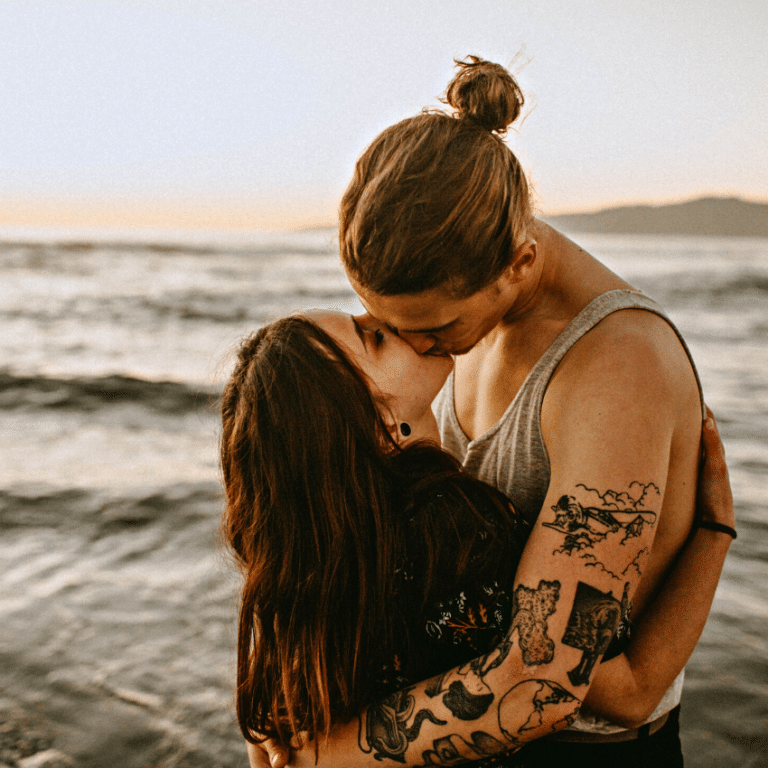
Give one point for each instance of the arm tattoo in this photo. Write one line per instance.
(530, 611)
(465, 693)
(532, 708)
(387, 733)
(455, 750)
(596, 517)
(536, 708)
(529, 710)
(593, 621)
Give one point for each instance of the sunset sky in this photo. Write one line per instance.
(250, 113)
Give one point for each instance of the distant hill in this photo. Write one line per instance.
(715, 216)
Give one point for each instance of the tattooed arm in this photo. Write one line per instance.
(577, 577)
(621, 423)
(628, 688)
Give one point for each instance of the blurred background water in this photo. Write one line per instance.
(117, 602)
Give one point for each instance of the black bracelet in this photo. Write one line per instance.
(712, 526)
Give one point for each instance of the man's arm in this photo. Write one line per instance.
(628, 688)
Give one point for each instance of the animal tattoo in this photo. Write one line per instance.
(591, 626)
(387, 728)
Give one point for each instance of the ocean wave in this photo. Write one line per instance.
(41, 254)
(236, 307)
(91, 394)
(189, 305)
(705, 288)
(94, 514)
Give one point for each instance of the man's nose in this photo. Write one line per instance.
(423, 343)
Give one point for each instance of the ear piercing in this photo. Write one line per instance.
(405, 429)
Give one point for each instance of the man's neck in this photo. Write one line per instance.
(565, 279)
(540, 287)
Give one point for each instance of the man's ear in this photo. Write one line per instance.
(522, 261)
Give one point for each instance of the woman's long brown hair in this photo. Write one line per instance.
(319, 502)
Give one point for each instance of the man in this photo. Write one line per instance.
(571, 393)
(603, 404)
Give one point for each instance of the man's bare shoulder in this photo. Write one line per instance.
(632, 352)
(624, 406)
(628, 375)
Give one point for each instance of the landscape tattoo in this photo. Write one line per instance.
(617, 518)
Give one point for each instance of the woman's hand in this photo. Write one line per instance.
(267, 754)
(341, 749)
(714, 501)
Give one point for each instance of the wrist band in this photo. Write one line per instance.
(712, 526)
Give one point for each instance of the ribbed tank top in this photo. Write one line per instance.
(512, 456)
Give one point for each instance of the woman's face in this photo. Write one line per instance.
(408, 382)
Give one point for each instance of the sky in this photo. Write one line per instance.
(250, 113)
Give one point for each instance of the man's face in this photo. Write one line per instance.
(435, 323)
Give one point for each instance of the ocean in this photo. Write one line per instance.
(117, 600)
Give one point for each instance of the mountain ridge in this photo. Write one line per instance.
(703, 216)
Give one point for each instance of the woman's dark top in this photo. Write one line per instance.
(456, 627)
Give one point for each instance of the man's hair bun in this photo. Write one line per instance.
(485, 93)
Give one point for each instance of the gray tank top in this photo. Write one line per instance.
(512, 456)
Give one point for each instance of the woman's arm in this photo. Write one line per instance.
(628, 688)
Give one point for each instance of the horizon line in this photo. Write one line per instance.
(197, 217)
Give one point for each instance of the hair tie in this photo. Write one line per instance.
(713, 526)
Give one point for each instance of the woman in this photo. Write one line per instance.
(357, 535)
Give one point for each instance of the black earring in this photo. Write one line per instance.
(405, 429)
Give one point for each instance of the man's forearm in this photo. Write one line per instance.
(665, 637)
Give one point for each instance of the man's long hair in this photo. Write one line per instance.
(439, 200)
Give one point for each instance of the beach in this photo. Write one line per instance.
(117, 599)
